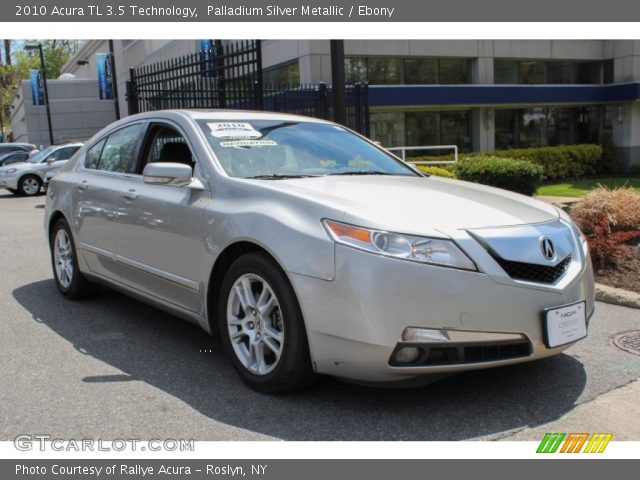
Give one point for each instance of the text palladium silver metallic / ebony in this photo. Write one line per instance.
(309, 249)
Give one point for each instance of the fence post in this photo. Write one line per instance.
(259, 87)
(132, 96)
(358, 114)
(322, 106)
(366, 116)
(220, 73)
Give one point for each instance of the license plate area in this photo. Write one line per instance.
(564, 324)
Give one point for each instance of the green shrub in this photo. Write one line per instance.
(564, 161)
(611, 157)
(634, 170)
(561, 162)
(511, 174)
(437, 171)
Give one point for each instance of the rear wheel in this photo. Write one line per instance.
(261, 326)
(69, 280)
(29, 185)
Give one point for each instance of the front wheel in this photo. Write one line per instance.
(261, 326)
(64, 259)
(29, 185)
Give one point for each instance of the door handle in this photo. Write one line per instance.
(83, 186)
(130, 194)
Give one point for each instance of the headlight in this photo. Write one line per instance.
(434, 251)
(11, 170)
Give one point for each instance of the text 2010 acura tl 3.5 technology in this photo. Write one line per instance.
(308, 249)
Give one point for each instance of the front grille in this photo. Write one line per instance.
(460, 354)
(532, 272)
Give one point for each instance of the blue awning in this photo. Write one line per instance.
(413, 95)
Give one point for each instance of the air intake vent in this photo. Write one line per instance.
(531, 272)
(458, 354)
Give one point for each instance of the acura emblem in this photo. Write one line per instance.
(548, 250)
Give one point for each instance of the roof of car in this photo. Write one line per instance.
(229, 115)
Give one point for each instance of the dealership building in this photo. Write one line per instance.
(480, 95)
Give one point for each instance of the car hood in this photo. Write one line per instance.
(418, 204)
(15, 165)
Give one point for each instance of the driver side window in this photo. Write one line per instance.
(166, 144)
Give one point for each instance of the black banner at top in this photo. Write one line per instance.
(320, 11)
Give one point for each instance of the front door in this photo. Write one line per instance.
(160, 232)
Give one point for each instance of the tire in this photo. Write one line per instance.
(256, 326)
(30, 186)
(64, 262)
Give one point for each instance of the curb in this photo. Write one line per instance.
(617, 296)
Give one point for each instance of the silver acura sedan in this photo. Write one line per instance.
(310, 250)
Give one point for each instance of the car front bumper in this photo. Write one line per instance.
(8, 181)
(355, 322)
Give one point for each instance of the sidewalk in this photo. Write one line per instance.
(558, 200)
(616, 411)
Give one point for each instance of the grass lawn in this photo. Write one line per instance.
(577, 188)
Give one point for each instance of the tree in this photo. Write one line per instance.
(7, 51)
(17, 65)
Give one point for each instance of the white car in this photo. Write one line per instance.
(27, 178)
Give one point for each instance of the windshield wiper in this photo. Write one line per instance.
(361, 172)
(277, 176)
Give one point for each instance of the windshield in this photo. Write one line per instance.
(289, 149)
(41, 155)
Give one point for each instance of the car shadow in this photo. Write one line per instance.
(151, 346)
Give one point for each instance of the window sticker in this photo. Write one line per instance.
(233, 130)
(248, 143)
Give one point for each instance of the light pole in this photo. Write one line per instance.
(31, 47)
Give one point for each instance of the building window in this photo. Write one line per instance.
(422, 128)
(420, 71)
(454, 71)
(408, 71)
(505, 71)
(388, 128)
(282, 76)
(539, 127)
(384, 71)
(589, 72)
(561, 72)
(607, 72)
(538, 72)
(355, 69)
(531, 72)
(426, 128)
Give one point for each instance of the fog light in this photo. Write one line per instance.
(426, 335)
(407, 355)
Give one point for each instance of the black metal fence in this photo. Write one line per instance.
(230, 76)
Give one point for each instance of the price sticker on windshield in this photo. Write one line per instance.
(233, 130)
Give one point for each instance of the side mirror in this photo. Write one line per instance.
(166, 173)
(49, 161)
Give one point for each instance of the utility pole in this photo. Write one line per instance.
(338, 81)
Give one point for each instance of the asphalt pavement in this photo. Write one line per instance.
(112, 367)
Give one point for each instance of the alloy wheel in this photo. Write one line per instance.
(63, 258)
(30, 186)
(255, 325)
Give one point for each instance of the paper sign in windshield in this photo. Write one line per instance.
(233, 130)
(248, 143)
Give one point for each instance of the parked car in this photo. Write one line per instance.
(309, 249)
(16, 147)
(13, 157)
(27, 178)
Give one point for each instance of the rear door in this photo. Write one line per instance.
(95, 195)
